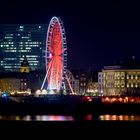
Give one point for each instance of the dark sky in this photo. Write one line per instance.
(98, 33)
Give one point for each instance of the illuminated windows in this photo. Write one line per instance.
(131, 85)
(122, 75)
(21, 28)
(131, 76)
(19, 41)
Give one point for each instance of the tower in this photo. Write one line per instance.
(25, 68)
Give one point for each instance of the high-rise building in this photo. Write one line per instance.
(18, 41)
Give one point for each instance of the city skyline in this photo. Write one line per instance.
(97, 34)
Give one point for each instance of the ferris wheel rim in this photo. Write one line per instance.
(62, 33)
(52, 25)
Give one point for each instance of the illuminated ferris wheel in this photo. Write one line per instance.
(56, 55)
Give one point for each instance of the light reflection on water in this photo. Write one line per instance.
(105, 117)
(37, 118)
(108, 117)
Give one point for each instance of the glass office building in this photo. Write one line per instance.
(19, 41)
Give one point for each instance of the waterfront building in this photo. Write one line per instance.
(92, 88)
(15, 83)
(87, 81)
(81, 77)
(122, 79)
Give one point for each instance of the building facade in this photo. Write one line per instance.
(15, 83)
(92, 88)
(22, 40)
(119, 80)
(81, 77)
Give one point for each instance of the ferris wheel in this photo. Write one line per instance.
(56, 55)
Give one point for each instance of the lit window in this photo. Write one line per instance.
(128, 85)
(118, 84)
(25, 37)
(21, 27)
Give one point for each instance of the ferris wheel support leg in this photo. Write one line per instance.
(44, 81)
(69, 84)
(46, 77)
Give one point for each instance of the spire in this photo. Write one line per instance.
(25, 62)
(25, 66)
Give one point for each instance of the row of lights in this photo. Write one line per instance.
(120, 100)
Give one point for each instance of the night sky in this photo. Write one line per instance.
(97, 34)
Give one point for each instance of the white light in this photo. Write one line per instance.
(38, 92)
(51, 92)
(50, 55)
(44, 91)
(21, 26)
